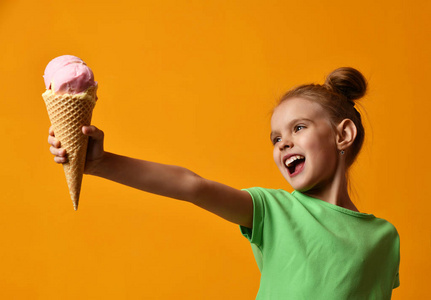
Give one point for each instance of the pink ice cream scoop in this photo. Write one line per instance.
(68, 74)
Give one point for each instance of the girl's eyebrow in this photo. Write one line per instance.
(273, 133)
(271, 136)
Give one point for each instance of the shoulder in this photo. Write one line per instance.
(387, 226)
(386, 233)
(388, 238)
(268, 193)
(271, 198)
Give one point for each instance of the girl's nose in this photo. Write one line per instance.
(286, 144)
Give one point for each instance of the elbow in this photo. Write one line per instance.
(196, 189)
(192, 186)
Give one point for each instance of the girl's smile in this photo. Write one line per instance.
(294, 163)
(305, 150)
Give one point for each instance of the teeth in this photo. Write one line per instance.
(292, 159)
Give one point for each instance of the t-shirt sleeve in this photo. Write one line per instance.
(397, 281)
(254, 234)
(397, 277)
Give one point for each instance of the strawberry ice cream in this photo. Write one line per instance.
(68, 74)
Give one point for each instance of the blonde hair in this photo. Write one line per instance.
(337, 97)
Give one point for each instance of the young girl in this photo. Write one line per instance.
(312, 243)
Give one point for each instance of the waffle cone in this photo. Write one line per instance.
(68, 113)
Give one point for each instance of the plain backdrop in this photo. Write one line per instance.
(193, 83)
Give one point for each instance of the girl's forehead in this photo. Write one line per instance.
(297, 108)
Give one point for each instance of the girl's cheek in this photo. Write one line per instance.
(275, 155)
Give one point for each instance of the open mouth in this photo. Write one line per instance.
(295, 164)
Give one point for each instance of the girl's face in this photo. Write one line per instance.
(304, 141)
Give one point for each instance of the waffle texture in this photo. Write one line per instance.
(68, 113)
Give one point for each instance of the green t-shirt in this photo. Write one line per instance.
(307, 248)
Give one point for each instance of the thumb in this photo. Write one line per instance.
(93, 132)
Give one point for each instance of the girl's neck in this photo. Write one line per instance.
(334, 192)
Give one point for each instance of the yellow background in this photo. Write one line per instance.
(193, 83)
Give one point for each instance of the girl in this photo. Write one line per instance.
(312, 243)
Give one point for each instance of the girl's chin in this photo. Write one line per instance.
(299, 182)
(299, 186)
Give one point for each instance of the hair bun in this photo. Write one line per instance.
(348, 82)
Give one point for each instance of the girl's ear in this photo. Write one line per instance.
(346, 134)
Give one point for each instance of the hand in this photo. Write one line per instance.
(95, 150)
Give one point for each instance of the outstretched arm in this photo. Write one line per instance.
(166, 180)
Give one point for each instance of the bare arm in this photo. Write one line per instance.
(166, 180)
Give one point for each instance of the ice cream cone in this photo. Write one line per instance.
(68, 113)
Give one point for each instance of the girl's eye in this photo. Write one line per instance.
(276, 140)
(299, 127)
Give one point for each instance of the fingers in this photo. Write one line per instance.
(57, 151)
(60, 156)
(53, 141)
(51, 131)
(60, 159)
